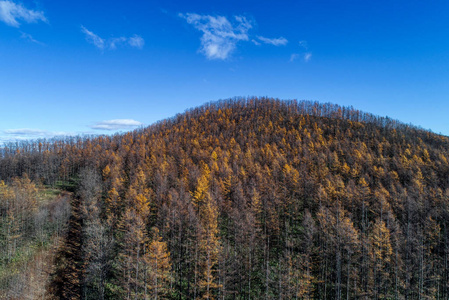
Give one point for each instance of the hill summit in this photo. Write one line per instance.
(252, 199)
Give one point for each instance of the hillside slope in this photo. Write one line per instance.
(256, 199)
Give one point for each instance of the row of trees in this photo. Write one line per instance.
(257, 199)
(112, 258)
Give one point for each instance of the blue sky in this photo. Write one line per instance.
(94, 67)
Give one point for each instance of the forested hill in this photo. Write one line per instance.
(254, 199)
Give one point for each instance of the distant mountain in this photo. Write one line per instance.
(250, 199)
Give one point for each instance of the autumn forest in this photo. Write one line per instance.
(246, 198)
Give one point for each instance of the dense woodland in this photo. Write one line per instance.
(32, 223)
(242, 199)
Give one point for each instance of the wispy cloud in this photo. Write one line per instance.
(307, 56)
(135, 41)
(220, 36)
(113, 42)
(116, 124)
(93, 38)
(12, 135)
(25, 131)
(304, 44)
(276, 41)
(29, 37)
(11, 13)
(293, 57)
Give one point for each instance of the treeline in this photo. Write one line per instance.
(255, 199)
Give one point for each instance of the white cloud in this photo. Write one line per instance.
(116, 124)
(93, 38)
(307, 56)
(220, 36)
(11, 13)
(135, 41)
(276, 41)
